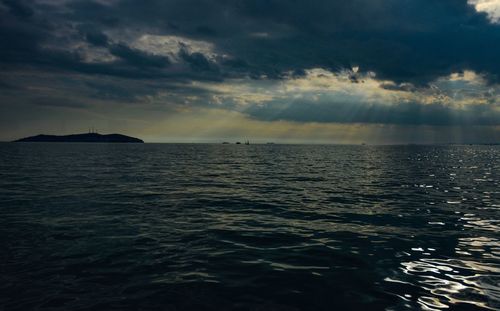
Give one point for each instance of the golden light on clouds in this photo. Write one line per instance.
(490, 7)
(457, 89)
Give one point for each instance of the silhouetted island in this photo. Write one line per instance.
(82, 138)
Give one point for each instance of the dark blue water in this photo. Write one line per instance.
(259, 227)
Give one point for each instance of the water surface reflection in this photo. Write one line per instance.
(225, 227)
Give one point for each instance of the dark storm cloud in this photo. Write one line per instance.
(19, 36)
(94, 36)
(398, 87)
(196, 60)
(414, 40)
(18, 8)
(129, 91)
(97, 39)
(138, 58)
(403, 41)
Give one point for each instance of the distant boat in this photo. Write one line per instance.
(238, 143)
(225, 143)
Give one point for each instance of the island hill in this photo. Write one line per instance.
(81, 138)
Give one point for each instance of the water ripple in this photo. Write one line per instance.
(272, 227)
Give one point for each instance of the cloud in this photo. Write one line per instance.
(323, 96)
(490, 7)
(18, 8)
(414, 62)
(97, 38)
(413, 41)
(138, 58)
(197, 61)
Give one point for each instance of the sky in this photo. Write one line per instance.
(291, 71)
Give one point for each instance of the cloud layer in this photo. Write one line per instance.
(414, 62)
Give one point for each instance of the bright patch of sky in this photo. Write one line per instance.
(353, 85)
(490, 7)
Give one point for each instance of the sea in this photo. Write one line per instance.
(249, 227)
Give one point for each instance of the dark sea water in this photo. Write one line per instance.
(259, 227)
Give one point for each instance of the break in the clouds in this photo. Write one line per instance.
(131, 65)
(490, 7)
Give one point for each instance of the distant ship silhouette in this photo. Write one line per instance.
(247, 142)
(82, 138)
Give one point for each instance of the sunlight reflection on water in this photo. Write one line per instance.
(468, 281)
